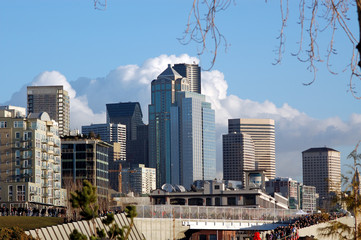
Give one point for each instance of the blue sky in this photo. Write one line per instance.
(128, 45)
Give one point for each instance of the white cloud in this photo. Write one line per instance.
(295, 131)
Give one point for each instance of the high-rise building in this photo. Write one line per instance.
(130, 115)
(287, 187)
(162, 97)
(321, 168)
(85, 158)
(181, 131)
(193, 74)
(30, 164)
(193, 139)
(138, 179)
(238, 156)
(109, 132)
(51, 99)
(126, 113)
(262, 132)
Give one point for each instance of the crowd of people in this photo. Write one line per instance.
(44, 212)
(290, 231)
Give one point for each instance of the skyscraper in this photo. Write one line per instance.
(193, 74)
(30, 163)
(193, 145)
(51, 99)
(130, 115)
(262, 132)
(181, 131)
(321, 168)
(238, 156)
(127, 113)
(162, 97)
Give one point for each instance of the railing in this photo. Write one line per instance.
(210, 212)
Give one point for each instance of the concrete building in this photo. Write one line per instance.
(85, 158)
(308, 198)
(216, 193)
(321, 168)
(192, 72)
(51, 99)
(262, 132)
(287, 187)
(238, 156)
(19, 111)
(138, 179)
(30, 165)
(193, 139)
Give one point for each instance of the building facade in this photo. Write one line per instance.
(238, 156)
(193, 139)
(110, 132)
(51, 99)
(262, 132)
(308, 198)
(287, 187)
(162, 97)
(30, 164)
(130, 114)
(321, 168)
(138, 179)
(192, 72)
(85, 159)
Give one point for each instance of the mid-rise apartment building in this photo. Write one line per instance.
(30, 163)
(85, 158)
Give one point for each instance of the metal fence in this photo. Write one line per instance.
(206, 212)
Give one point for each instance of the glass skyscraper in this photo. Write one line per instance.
(181, 131)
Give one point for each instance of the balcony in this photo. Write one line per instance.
(49, 134)
(50, 143)
(32, 192)
(56, 169)
(57, 161)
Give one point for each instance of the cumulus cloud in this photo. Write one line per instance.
(295, 130)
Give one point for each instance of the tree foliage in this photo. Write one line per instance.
(14, 233)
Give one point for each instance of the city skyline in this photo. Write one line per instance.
(242, 84)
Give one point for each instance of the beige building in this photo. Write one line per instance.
(322, 168)
(51, 99)
(238, 156)
(30, 166)
(262, 132)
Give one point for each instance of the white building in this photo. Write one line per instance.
(140, 179)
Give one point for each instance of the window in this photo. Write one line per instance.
(3, 124)
(18, 124)
(17, 135)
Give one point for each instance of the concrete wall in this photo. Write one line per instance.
(314, 230)
(63, 231)
(161, 228)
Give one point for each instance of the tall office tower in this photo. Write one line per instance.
(30, 164)
(262, 132)
(193, 139)
(109, 132)
(127, 113)
(162, 97)
(85, 158)
(130, 114)
(238, 156)
(51, 99)
(138, 179)
(321, 168)
(192, 72)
